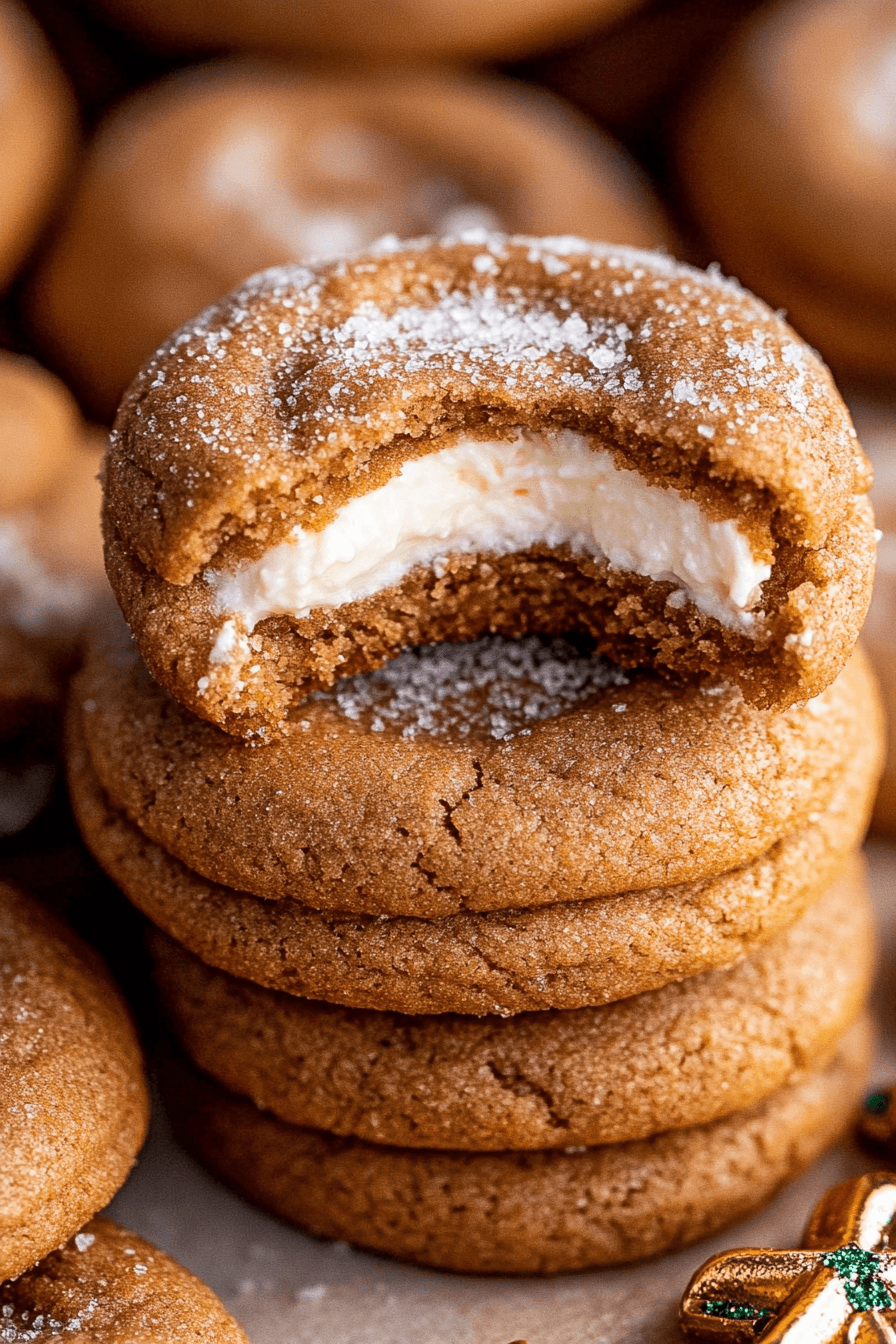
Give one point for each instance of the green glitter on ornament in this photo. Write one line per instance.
(859, 1272)
(737, 1311)
(878, 1103)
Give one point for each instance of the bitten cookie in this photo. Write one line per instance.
(559, 956)
(492, 775)
(109, 1286)
(390, 29)
(523, 1213)
(438, 440)
(209, 176)
(786, 159)
(682, 1055)
(37, 134)
(73, 1100)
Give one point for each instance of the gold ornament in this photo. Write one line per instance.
(877, 1123)
(840, 1288)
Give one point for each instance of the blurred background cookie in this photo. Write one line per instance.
(216, 173)
(37, 134)
(364, 28)
(51, 572)
(786, 159)
(877, 428)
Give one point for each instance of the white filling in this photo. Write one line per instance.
(499, 497)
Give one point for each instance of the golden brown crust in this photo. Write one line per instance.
(72, 1091)
(477, 1211)
(561, 956)
(385, 29)
(679, 1056)
(231, 435)
(680, 786)
(37, 134)
(166, 217)
(109, 1286)
(791, 185)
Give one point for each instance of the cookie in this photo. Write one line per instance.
(786, 160)
(52, 579)
(878, 428)
(679, 1056)
(523, 1213)
(392, 30)
(109, 1286)
(73, 1100)
(51, 571)
(212, 174)
(39, 425)
(485, 776)
(37, 134)
(560, 956)
(438, 440)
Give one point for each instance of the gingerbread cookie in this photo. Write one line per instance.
(493, 775)
(438, 440)
(786, 159)
(679, 1056)
(559, 956)
(50, 546)
(73, 1100)
(387, 30)
(209, 176)
(51, 572)
(109, 1286)
(37, 134)
(877, 425)
(475, 1211)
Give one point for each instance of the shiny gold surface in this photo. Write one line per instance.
(838, 1288)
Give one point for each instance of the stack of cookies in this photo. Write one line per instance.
(494, 753)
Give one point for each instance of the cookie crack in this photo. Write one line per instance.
(515, 1081)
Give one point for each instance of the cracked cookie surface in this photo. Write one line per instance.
(565, 955)
(681, 1055)
(501, 775)
(523, 1213)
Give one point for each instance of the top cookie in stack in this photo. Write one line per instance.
(435, 441)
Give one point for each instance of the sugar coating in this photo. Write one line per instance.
(556, 489)
(494, 686)
(108, 1285)
(36, 597)
(308, 388)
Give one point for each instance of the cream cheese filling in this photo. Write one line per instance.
(498, 497)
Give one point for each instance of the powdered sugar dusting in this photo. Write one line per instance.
(25, 1327)
(303, 368)
(35, 597)
(494, 687)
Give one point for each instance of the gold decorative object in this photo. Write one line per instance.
(877, 1123)
(839, 1288)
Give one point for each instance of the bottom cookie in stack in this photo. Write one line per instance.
(543, 1142)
